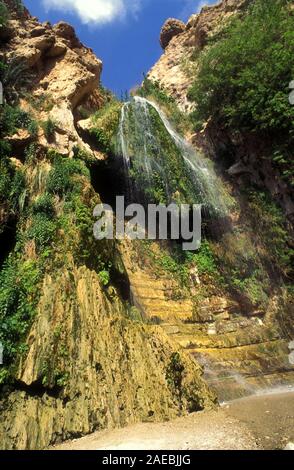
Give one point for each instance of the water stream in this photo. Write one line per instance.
(148, 143)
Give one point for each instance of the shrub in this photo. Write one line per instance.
(49, 128)
(104, 277)
(19, 294)
(243, 80)
(105, 126)
(204, 260)
(12, 119)
(5, 180)
(44, 205)
(244, 77)
(12, 186)
(18, 191)
(4, 15)
(42, 231)
(61, 179)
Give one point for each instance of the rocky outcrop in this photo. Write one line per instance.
(171, 28)
(88, 364)
(90, 367)
(173, 70)
(60, 67)
(240, 355)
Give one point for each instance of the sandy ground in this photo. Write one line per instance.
(263, 422)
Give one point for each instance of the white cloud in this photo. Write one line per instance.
(95, 11)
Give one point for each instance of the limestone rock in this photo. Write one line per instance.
(171, 28)
(170, 71)
(115, 372)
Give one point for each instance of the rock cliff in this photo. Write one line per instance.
(86, 363)
(175, 72)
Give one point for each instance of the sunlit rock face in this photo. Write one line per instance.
(171, 28)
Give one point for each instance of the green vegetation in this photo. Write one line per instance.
(269, 227)
(4, 15)
(105, 126)
(49, 128)
(15, 77)
(13, 118)
(153, 91)
(19, 295)
(169, 178)
(244, 76)
(12, 188)
(63, 179)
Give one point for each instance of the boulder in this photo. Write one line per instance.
(170, 29)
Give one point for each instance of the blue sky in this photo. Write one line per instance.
(123, 33)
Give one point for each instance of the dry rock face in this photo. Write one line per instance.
(171, 28)
(64, 70)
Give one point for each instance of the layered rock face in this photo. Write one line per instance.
(114, 371)
(62, 70)
(88, 365)
(240, 354)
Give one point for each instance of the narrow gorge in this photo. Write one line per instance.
(99, 335)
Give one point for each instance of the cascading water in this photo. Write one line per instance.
(164, 164)
(162, 167)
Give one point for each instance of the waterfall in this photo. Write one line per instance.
(161, 161)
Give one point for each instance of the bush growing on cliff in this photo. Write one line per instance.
(14, 118)
(243, 80)
(3, 14)
(105, 126)
(49, 128)
(19, 295)
(62, 177)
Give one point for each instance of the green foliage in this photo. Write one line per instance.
(62, 179)
(18, 191)
(49, 128)
(244, 76)
(44, 205)
(152, 90)
(14, 118)
(268, 224)
(204, 260)
(12, 186)
(82, 154)
(104, 277)
(5, 179)
(42, 231)
(105, 126)
(4, 15)
(15, 77)
(19, 295)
